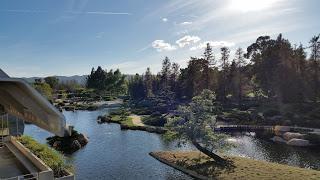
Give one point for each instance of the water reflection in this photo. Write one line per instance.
(263, 149)
(112, 153)
(115, 154)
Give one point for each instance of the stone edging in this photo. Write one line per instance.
(180, 168)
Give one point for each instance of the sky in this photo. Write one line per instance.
(69, 37)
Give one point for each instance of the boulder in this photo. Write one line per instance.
(278, 139)
(290, 135)
(76, 145)
(298, 142)
(56, 144)
(83, 139)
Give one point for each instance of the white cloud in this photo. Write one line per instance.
(164, 19)
(214, 44)
(161, 45)
(186, 23)
(187, 40)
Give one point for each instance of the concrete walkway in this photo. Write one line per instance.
(10, 166)
(136, 120)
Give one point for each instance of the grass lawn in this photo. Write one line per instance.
(238, 168)
(127, 121)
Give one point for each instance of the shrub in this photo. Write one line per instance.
(49, 156)
(154, 120)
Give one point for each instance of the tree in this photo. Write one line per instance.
(44, 89)
(196, 122)
(148, 78)
(315, 58)
(174, 78)
(274, 66)
(208, 63)
(165, 74)
(209, 56)
(97, 79)
(225, 54)
(107, 82)
(52, 81)
(240, 62)
(136, 88)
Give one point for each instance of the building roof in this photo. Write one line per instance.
(21, 100)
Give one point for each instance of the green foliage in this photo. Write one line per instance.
(52, 81)
(196, 123)
(44, 89)
(171, 136)
(70, 86)
(154, 120)
(102, 81)
(49, 156)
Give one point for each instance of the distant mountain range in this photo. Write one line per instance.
(78, 79)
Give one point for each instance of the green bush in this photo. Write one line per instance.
(141, 111)
(121, 111)
(154, 120)
(49, 156)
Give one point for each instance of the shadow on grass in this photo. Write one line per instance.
(208, 167)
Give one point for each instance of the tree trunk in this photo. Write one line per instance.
(208, 153)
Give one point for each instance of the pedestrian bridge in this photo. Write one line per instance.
(19, 99)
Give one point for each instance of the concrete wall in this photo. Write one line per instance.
(46, 172)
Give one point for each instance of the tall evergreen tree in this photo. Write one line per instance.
(165, 74)
(240, 62)
(224, 60)
(148, 80)
(315, 58)
(208, 63)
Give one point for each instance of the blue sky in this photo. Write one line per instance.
(69, 37)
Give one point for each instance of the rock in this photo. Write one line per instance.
(68, 144)
(76, 144)
(290, 135)
(298, 142)
(278, 139)
(56, 144)
(83, 139)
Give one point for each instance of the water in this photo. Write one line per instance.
(112, 153)
(249, 146)
(115, 154)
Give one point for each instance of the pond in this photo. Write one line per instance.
(112, 153)
(115, 154)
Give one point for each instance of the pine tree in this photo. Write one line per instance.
(208, 63)
(315, 58)
(225, 54)
(240, 62)
(148, 78)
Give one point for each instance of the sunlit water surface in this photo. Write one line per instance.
(115, 154)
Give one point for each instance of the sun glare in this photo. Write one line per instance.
(251, 5)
